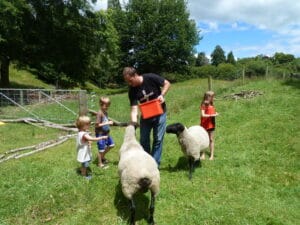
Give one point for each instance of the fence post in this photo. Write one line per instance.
(267, 72)
(83, 109)
(209, 83)
(243, 76)
(21, 97)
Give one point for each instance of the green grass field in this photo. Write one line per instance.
(254, 178)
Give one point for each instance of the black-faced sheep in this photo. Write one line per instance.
(193, 140)
(138, 172)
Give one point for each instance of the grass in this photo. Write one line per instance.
(254, 178)
(24, 79)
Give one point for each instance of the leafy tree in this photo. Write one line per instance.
(201, 59)
(281, 58)
(157, 35)
(11, 38)
(296, 65)
(61, 39)
(113, 4)
(105, 60)
(218, 56)
(230, 58)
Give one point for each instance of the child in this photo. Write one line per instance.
(84, 153)
(208, 114)
(102, 128)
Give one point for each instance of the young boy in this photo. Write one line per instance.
(102, 128)
(83, 142)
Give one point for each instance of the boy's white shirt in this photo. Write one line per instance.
(84, 152)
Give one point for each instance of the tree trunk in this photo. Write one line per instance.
(4, 72)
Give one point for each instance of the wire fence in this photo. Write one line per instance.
(59, 106)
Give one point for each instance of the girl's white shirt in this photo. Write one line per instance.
(84, 152)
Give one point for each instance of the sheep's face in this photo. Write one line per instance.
(175, 128)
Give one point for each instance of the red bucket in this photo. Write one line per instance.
(151, 108)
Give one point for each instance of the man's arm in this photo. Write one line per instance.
(134, 113)
(164, 90)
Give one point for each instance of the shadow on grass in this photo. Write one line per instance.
(293, 83)
(182, 164)
(122, 205)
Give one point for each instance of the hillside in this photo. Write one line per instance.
(254, 178)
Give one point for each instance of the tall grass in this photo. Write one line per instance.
(254, 178)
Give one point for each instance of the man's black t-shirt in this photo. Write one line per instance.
(148, 90)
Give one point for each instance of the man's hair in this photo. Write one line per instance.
(130, 71)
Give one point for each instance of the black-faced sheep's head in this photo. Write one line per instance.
(175, 128)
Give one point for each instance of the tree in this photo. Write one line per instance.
(281, 58)
(230, 58)
(201, 59)
(60, 39)
(11, 39)
(105, 60)
(157, 35)
(113, 4)
(218, 56)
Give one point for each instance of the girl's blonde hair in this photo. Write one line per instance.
(104, 100)
(206, 100)
(82, 121)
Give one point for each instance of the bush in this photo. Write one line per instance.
(226, 71)
(176, 77)
(204, 71)
(256, 68)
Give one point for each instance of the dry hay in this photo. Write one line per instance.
(245, 94)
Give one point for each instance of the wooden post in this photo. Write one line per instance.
(209, 83)
(21, 97)
(243, 76)
(267, 72)
(83, 109)
(283, 75)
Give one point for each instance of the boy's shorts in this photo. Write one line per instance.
(103, 144)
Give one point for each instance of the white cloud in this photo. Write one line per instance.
(281, 17)
(264, 14)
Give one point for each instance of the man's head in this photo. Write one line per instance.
(132, 77)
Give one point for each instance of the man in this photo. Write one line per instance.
(143, 88)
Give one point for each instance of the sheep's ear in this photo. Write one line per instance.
(180, 127)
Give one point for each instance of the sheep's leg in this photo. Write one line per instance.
(200, 163)
(151, 209)
(191, 167)
(132, 210)
(197, 163)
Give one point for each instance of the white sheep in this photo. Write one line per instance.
(193, 140)
(138, 171)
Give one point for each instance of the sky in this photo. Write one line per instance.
(246, 27)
